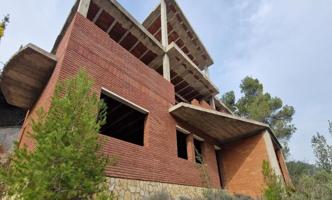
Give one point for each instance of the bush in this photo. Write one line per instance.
(318, 186)
(160, 196)
(274, 189)
(222, 195)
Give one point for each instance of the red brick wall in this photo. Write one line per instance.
(202, 104)
(242, 165)
(112, 67)
(208, 153)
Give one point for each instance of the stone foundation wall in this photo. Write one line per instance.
(125, 189)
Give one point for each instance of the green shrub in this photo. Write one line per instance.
(162, 195)
(222, 195)
(274, 189)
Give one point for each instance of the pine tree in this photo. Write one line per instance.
(3, 25)
(261, 106)
(67, 162)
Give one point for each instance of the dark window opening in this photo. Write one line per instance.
(198, 151)
(10, 115)
(181, 139)
(123, 122)
(219, 165)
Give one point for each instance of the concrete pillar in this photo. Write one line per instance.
(166, 68)
(283, 167)
(191, 148)
(212, 103)
(83, 7)
(164, 40)
(164, 30)
(272, 156)
(206, 71)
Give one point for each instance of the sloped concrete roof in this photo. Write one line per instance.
(221, 126)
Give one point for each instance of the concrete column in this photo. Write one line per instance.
(191, 148)
(206, 71)
(212, 103)
(164, 30)
(166, 68)
(283, 167)
(164, 40)
(272, 156)
(83, 7)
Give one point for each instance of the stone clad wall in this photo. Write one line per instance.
(135, 190)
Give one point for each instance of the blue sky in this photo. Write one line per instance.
(286, 44)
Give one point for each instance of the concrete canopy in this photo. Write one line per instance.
(25, 76)
(221, 126)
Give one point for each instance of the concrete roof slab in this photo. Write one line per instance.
(25, 76)
(221, 126)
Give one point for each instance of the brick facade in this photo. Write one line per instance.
(114, 68)
(242, 165)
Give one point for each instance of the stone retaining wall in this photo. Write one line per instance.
(125, 189)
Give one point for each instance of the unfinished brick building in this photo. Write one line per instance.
(154, 79)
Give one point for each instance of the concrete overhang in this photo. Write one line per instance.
(25, 76)
(181, 32)
(221, 126)
(183, 69)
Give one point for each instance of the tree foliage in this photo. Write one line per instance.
(274, 189)
(311, 182)
(261, 106)
(298, 169)
(322, 150)
(3, 25)
(67, 162)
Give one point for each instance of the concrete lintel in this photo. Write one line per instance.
(124, 101)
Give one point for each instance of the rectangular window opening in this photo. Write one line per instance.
(181, 139)
(219, 165)
(198, 151)
(123, 121)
